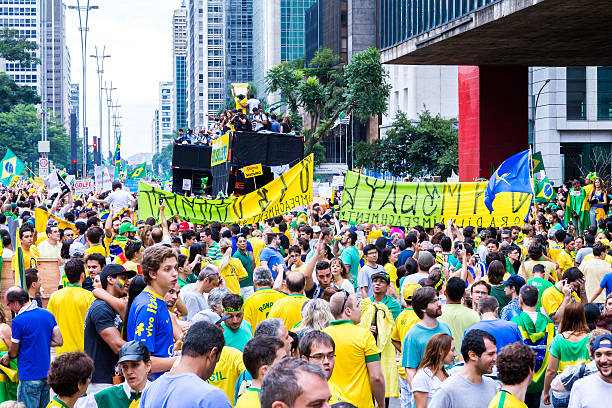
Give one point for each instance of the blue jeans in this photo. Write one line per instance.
(33, 393)
(559, 402)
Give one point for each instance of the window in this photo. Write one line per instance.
(576, 93)
(604, 93)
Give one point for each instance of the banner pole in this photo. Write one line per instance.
(531, 175)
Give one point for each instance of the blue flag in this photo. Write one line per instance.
(512, 176)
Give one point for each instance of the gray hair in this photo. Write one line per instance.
(215, 297)
(262, 276)
(281, 382)
(208, 272)
(316, 314)
(268, 327)
(487, 304)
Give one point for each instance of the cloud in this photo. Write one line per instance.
(138, 36)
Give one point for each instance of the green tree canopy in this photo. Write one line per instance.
(14, 47)
(12, 94)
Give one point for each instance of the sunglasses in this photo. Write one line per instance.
(346, 295)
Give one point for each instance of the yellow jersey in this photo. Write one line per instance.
(69, 306)
(250, 399)
(257, 306)
(227, 371)
(258, 244)
(232, 274)
(565, 260)
(554, 250)
(97, 249)
(403, 323)
(289, 309)
(591, 256)
(56, 403)
(29, 258)
(355, 347)
(552, 299)
(503, 399)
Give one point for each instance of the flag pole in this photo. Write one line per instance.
(533, 209)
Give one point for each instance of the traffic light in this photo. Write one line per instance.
(96, 150)
(74, 166)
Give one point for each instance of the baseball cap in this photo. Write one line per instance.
(114, 269)
(133, 351)
(426, 259)
(605, 241)
(183, 226)
(209, 316)
(127, 227)
(605, 338)
(77, 249)
(408, 290)
(382, 274)
(515, 280)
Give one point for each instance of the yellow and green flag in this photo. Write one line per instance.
(139, 172)
(544, 191)
(11, 166)
(537, 162)
(20, 278)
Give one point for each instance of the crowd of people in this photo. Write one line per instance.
(303, 310)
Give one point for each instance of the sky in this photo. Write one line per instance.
(138, 37)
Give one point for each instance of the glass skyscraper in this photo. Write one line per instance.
(292, 28)
(180, 68)
(239, 40)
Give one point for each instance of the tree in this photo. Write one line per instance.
(20, 130)
(311, 94)
(12, 94)
(285, 78)
(14, 47)
(163, 159)
(427, 148)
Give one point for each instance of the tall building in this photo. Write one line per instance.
(238, 41)
(74, 102)
(179, 57)
(206, 82)
(572, 107)
(277, 25)
(26, 17)
(155, 139)
(165, 115)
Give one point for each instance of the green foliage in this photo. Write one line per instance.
(163, 159)
(12, 94)
(20, 129)
(285, 78)
(429, 147)
(311, 95)
(14, 47)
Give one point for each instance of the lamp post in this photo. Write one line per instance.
(83, 11)
(100, 71)
(109, 104)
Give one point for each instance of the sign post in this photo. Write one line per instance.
(43, 167)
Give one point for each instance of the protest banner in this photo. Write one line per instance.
(219, 150)
(375, 201)
(104, 178)
(41, 218)
(132, 184)
(84, 186)
(252, 170)
(291, 189)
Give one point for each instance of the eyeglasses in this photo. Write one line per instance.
(322, 357)
(346, 295)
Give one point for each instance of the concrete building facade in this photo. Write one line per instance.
(165, 115)
(179, 71)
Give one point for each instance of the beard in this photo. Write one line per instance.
(434, 313)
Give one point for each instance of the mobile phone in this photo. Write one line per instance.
(161, 201)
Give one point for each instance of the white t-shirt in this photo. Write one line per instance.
(252, 103)
(425, 381)
(119, 199)
(590, 392)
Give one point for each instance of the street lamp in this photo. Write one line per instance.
(100, 70)
(83, 11)
(109, 104)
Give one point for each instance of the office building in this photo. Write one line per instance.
(155, 139)
(238, 41)
(572, 107)
(179, 57)
(165, 115)
(277, 25)
(25, 17)
(74, 102)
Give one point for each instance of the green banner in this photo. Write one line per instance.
(375, 201)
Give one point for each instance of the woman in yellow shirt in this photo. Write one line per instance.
(389, 258)
(231, 269)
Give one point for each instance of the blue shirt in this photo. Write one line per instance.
(416, 339)
(606, 283)
(274, 126)
(183, 390)
(403, 256)
(149, 322)
(504, 332)
(32, 329)
(510, 310)
(273, 257)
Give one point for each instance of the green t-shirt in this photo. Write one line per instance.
(247, 262)
(237, 338)
(393, 305)
(569, 352)
(350, 257)
(498, 293)
(541, 285)
(458, 318)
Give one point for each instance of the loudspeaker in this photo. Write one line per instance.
(195, 157)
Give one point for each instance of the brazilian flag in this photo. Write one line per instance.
(537, 162)
(544, 191)
(139, 172)
(11, 166)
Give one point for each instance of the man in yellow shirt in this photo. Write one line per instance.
(257, 243)
(556, 297)
(258, 305)
(30, 252)
(289, 308)
(357, 374)
(565, 259)
(93, 236)
(259, 354)
(515, 365)
(69, 306)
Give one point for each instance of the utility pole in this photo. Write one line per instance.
(83, 11)
(109, 104)
(42, 149)
(100, 71)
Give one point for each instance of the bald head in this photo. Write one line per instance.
(336, 304)
(295, 282)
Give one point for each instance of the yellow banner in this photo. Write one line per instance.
(293, 188)
(41, 218)
(375, 201)
(252, 171)
(219, 150)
